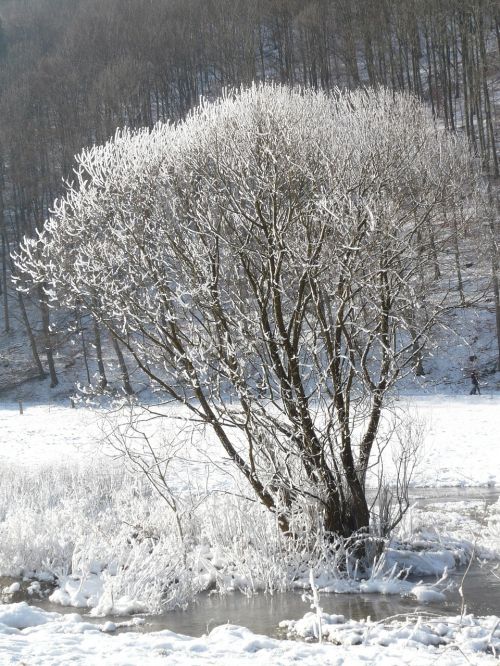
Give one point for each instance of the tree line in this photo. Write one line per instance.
(73, 71)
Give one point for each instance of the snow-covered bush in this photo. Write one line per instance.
(269, 263)
(110, 543)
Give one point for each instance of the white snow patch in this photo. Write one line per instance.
(11, 589)
(53, 639)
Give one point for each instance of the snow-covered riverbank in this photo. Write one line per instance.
(71, 512)
(31, 636)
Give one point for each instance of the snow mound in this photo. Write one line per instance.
(22, 615)
(468, 633)
(38, 637)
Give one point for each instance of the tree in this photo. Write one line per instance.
(72, 72)
(3, 41)
(259, 262)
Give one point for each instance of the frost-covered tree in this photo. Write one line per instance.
(270, 264)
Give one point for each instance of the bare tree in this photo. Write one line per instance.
(258, 262)
(71, 73)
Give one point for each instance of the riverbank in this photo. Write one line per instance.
(73, 515)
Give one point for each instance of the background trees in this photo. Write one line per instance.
(72, 71)
(263, 263)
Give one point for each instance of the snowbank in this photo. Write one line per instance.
(466, 633)
(53, 639)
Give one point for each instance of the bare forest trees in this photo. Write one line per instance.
(72, 71)
(259, 262)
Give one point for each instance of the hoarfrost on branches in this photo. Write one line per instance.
(269, 263)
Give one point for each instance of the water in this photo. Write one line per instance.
(262, 613)
(488, 494)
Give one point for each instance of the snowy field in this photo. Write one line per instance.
(461, 437)
(74, 518)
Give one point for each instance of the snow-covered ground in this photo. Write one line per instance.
(68, 508)
(31, 636)
(461, 444)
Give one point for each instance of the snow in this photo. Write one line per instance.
(22, 615)
(53, 639)
(47, 434)
(425, 562)
(461, 445)
(425, 594)
(93, 553)
(466, 632)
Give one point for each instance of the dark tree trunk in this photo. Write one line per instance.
(4, 289)
(123, 367)
(29, 331)
(49, 351)
(495, 269)
(103, 382)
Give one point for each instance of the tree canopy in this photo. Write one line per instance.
(265, 262)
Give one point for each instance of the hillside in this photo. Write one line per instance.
(116, 64)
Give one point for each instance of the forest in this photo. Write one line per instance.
(73, 71)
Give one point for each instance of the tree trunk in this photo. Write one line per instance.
(5, 293)
(5, 256)
(495, 279)
(49, 352)
(34, 351)
(103, 382)
(348, 516)
(123, 367)
(84, 346)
